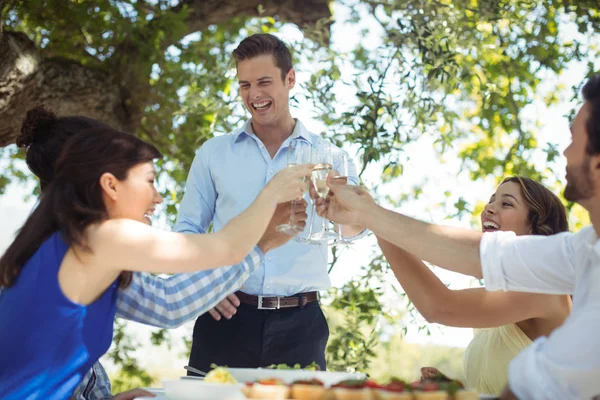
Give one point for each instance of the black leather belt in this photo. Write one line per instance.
(275, 303)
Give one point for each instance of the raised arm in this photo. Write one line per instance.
(170, 302)
(174, 300)
(129, 245)
(537, 264)
(452, 248)
(472, 308)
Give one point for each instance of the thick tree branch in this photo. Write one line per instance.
(214, 12)
(66, 87)
(117, 97)
(202, 14)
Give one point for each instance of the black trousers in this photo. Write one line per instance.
(255, 338)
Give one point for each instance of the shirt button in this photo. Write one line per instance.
(268, 286)
(270, 171)
(269, 258)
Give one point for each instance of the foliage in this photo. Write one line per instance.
(465, 73)
(356, 318)
(398, 358)
(121, 353)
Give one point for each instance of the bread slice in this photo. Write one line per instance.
(307, 392)
(278, 392)
(352, 394)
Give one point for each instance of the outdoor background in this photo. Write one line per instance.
(437, 102)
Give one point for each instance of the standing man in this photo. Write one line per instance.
(279, 319)
(566, 364)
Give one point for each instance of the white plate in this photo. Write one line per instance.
(188, 389)
(158, 392)
(158, 397)
(290, 375)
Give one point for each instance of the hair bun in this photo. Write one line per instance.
(36, 125)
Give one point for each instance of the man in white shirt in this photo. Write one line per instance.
(565, 365)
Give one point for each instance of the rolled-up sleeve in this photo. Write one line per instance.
(535, 264)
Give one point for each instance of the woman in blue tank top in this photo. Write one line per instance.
(59, 277)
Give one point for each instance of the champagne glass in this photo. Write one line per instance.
(342, 178)
(308, 239)
(298, 153)
(323, 160)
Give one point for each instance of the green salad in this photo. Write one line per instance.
(310, 367)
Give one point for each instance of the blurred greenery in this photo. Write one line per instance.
(460, 72)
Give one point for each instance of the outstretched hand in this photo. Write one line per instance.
(345, 203)
(289, 183)
(429, 373)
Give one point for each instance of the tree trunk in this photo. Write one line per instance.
(67, 88)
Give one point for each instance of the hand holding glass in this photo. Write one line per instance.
(323, 160)
(298, 153)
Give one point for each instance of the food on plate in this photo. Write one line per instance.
(310, 367)
(219, 375)
(440, 388)
(353, 389)
(396, 389)
(247, 389)
(430, 391)
(437, 388)
(269, 389)
(308, 389)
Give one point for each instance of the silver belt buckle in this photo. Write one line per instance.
(260, 306)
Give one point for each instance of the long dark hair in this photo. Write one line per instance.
(72, 200)
(547, 214)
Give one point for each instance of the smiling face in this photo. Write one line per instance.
(263, 91)
(506, 211)
(135, 197)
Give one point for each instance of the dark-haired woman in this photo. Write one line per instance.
(149, 299)
(60, 275)
(505, 322)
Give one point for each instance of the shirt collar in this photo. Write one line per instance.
(299, 131)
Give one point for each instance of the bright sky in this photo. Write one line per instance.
(423, 165)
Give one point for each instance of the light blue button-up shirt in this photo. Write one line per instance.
(227, 174)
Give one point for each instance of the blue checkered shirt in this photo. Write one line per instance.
(168, 303)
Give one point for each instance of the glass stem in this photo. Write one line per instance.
(312, 217)
(324, 225)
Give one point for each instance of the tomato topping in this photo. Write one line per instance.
(395, 387)
(430, 386)
(351, 384)
(272, 381)
(372, 384)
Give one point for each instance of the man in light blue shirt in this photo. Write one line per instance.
(279, 319)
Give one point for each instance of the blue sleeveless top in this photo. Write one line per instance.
(47, 342)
